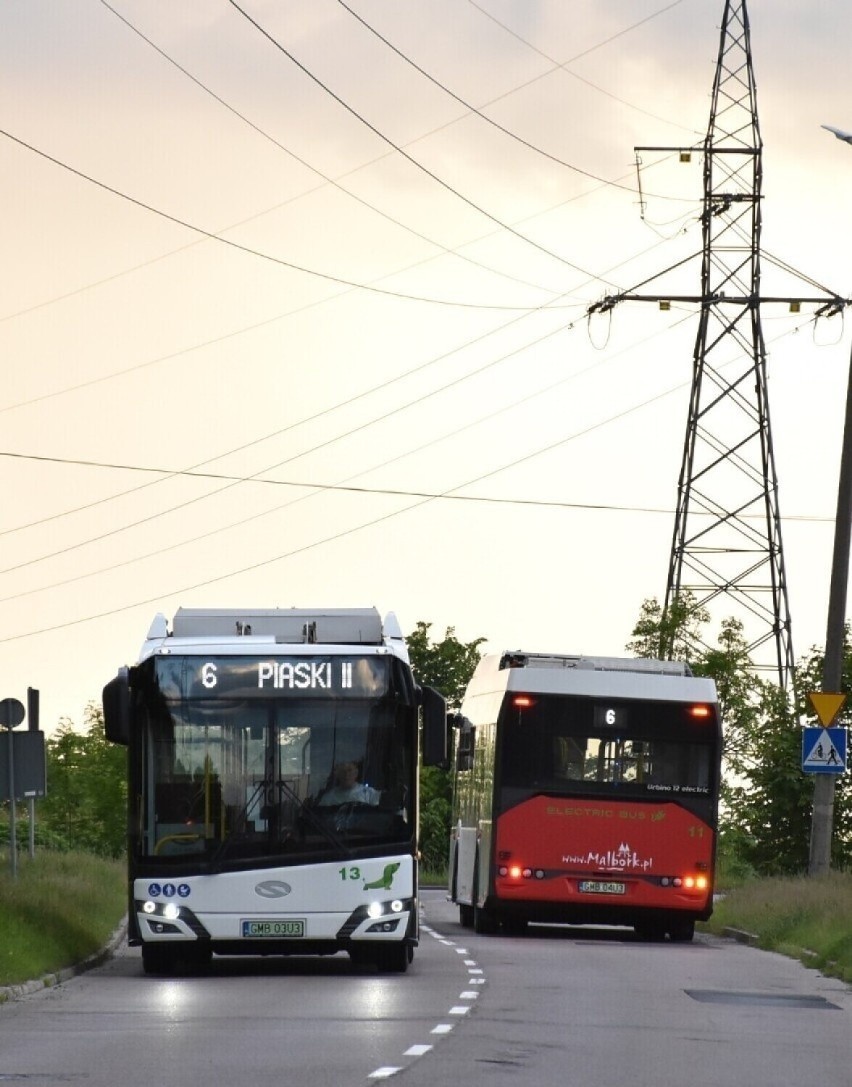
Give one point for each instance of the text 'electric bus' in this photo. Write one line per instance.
(273, 768)
(585, 791)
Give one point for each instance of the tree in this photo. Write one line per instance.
(673, 636)
(447, 666)
(766, 798)
(86, 802)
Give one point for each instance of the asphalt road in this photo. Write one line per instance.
(559, 1006)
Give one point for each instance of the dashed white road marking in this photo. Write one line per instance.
(420, 1049)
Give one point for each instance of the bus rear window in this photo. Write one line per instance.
(562, 742)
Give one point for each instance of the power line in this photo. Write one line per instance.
(267, 211)
(327, 276)
(309, 166)
(563, 65)
(277, 433)
(400, 150)
(478, 112)
(346, 486)
(233, 481)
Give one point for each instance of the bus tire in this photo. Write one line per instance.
(465, 915)
(649, 931)
(157, 959)
(681, 932)
(393, 958)
(484, 922)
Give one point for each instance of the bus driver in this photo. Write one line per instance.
(347, 789)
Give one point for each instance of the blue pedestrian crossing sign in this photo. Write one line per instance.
(824, 750)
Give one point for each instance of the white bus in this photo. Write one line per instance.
(272, 785)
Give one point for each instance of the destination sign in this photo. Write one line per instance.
(269, 677)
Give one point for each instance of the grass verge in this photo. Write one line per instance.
(809, 919)
(62, 908)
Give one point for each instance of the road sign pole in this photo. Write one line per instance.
(13, 842)
(12, 712)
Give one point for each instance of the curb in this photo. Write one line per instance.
(741, 936)
(50, 981)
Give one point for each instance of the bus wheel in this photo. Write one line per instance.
(681, 932)
(157, 959)
(465, 916)
(483, 921)
(650, 932)
(393, 958)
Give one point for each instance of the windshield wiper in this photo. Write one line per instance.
(303, 808)
(308, 812)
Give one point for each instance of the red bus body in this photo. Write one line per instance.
(586, 791)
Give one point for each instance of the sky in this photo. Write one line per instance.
(294, 313)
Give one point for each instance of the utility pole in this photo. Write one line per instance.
(822, 816)
(726, 541)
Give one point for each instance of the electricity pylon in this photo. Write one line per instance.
(727, 533)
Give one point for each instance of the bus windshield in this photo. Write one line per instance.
(561, 743)
(235, 778)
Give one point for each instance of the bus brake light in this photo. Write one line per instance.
(699, 711)
(523, 701)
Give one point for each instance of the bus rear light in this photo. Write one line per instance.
(689, 883)
(523, 701)
(515, 871)
(699, 711)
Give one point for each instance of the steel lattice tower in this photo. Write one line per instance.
(727, 533)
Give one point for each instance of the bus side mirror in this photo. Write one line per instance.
(434, 707)
(465, 744)
(116, 703)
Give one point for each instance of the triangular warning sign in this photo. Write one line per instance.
(822, 752)
(826, 705)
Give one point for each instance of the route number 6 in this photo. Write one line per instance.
(208, 674)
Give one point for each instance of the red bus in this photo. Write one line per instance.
(585, 791)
